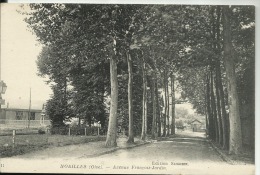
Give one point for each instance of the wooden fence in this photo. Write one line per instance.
(20, 124)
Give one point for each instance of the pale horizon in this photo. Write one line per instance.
(19, 51)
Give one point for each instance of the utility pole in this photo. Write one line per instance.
(29, 112)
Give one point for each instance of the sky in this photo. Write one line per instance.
(19, 51)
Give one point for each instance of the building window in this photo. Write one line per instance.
(19, 115)
(32, 116)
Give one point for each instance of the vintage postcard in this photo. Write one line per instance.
(128, 88)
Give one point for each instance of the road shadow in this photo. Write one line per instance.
(186, 138)
(185, 135)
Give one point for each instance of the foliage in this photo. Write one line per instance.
(185, 41)
(192, 81)
(179, 123)
(181, 112)
(42, 130)
(59, 130)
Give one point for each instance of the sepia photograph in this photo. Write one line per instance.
(128, 88)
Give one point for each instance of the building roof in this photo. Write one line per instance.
(195, 121)
(24, 110)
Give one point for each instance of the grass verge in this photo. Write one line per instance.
(28, 143)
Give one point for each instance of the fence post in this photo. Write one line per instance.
(47, 135)
(69, 131)
(14, 132)
(85, 131)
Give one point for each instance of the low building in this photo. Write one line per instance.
(197, 126)
(19, 118)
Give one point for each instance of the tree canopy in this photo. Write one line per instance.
(91, 50)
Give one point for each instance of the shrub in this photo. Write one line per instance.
(62, 130)
(80, 130)
(76, 130)
(42, 130)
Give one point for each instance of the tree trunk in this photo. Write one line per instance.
(112, 124)
(220, 128)
(213, 101)
(168, 108)
(223, 108)
(211, 130)
(103, 118)
(206, 109)
(158, 111)
(222, 105)
(173, 105)
(130, 99)
(224, 118)
(144, 114)
(207, 123)
(213, 106)
(165, 106)
(89, 121)
(235, 141)
(154, 106)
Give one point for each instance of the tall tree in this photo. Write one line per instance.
(213, 106)
(219, 114)
(130, 99)
(173, 104)
(158, 111)
(112, 125)
(223, 106)
(144, 114)
(168, 108)
(154, 100)
(219, 84)
(165, 104)
(209, 111)
(235, 141)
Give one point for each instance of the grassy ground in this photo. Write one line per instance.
(28, 143)
(247, 156)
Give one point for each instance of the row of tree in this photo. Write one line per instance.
(216, 93)
(91, 50)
